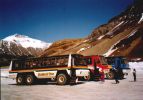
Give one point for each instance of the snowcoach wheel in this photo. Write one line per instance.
(20, 80)
(29, 79)
(62, 79)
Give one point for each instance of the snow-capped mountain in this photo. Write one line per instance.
(26, 41)
(20, 46)
(121, 36)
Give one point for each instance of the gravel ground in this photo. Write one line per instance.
(125, 90)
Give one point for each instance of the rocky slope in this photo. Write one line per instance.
(122, 35)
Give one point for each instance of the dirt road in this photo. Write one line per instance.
(126, 90)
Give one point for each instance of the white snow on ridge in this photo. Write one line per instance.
(141, 19)
(26, 41)
(111, 50)
(100, 37)
(132, 33)
(82, 49)
(111, 32)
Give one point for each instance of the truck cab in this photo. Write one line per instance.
(120, 63)
(96, 64)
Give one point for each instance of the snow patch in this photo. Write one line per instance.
(99, 38)
(136, 65)
(4, 73)
(141, 19)
(81, 49)
(132, 33)
(111, 50)
(111, 32)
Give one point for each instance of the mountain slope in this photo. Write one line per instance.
(122, 35)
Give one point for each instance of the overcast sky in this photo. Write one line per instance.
(52, 20)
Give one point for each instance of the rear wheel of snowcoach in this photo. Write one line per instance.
(20, 79)
(30, 79)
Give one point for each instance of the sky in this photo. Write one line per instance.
(52, 20)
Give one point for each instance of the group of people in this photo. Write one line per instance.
(117, 76)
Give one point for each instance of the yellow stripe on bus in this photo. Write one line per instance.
(31, 70)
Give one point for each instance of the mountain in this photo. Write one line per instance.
(17, 45)
(121, 36)
(26, 41)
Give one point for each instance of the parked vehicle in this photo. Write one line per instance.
(120, 63)
(97, 65)
(62, 69)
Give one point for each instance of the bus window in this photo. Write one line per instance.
(89, 61)
(18, 64)
(27, 64)
(31, 64)
(79, 61)
(65, 61)
(62, 61)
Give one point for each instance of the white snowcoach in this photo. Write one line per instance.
(63, 69)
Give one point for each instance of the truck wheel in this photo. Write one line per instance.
(29, 79)
(20, 80)
(87, 78)
(62, 79)
(121, 76)
(110, 75)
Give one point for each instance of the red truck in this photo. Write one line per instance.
(98, 66)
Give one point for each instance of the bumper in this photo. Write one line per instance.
(82, 72)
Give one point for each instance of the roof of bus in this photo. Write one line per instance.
(94, 56)
(30, 58)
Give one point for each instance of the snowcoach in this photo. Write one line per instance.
(120, 63)
(63, 69)
(97, 64)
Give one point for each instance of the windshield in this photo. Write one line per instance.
(89, 61)
(124, 61)
(79, 60)
(103, 60)
(110, 61)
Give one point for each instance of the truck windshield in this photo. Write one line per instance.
(103, 60)
(110, 61)
(124, 61)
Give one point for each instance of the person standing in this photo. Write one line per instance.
(101, 71)
(116, 76)
(134, 74)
